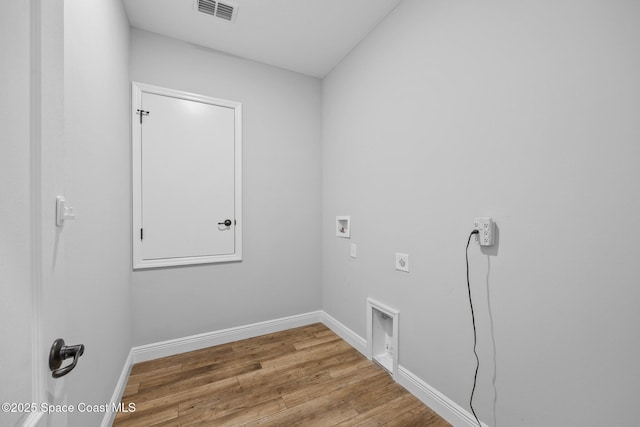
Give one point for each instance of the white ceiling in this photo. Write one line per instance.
(306, 36)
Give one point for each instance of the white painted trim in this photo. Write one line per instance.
(196, 342)
(38, 375)
(445, 407)
(355, 340)
(121, 385)
(138, 262)
(33, 420)
(191, 260)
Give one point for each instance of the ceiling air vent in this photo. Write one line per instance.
(222, 10)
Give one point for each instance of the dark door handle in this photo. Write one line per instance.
(60, 352)
(227, 222)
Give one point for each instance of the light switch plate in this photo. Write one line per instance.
(354, 253)
(402, 262)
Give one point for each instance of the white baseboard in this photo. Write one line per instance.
(110, 416)
(157, 350)
(34, 419)
(355, 340)
(196, 342)
(445, 407)
(441, 404)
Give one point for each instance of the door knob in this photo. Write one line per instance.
(227, 222)
(60, 352)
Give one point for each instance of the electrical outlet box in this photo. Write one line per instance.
(402, 262)
(486, 230)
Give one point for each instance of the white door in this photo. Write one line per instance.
(186, 178)
(49, 150)
(31, 175)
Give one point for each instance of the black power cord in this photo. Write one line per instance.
(475, 335)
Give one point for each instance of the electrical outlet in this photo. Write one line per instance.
(402, 262)
(486, 230)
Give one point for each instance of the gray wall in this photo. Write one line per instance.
(16, 309)
(528, 112)
(280, 272)
(97, 248)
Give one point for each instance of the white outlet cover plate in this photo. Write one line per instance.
(486, 230)
(402, 262)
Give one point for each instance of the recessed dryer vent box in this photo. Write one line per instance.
(343, 226)
(382, 336)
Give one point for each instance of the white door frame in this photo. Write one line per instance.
(136, 146)
(46, 174)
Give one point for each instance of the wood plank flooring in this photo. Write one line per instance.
(306, 376)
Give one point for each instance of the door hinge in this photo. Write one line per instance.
(141, 234)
